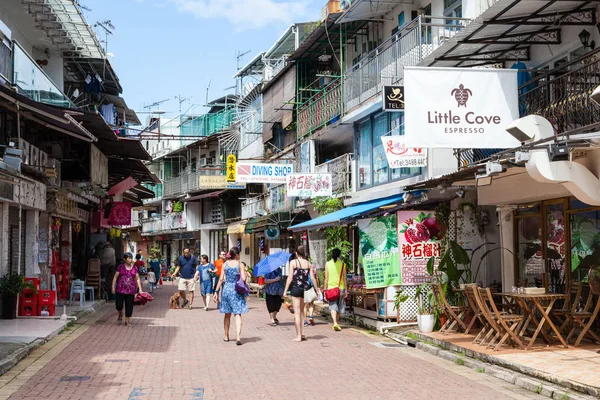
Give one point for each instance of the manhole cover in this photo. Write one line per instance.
(75, 378)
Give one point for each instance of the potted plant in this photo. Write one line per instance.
(11, 286)
(427, 310)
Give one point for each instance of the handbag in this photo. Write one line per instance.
(310, 295)
(241, 287)
(333, 294)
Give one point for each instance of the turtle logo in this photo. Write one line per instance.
(461, 95)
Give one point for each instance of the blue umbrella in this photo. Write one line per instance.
(271, 263)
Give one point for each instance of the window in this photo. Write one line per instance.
(373, 168)
(401, 19)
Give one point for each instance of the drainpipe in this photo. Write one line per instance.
(386, 328)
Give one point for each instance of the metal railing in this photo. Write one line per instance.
(385, 65)
(340, 169)
(167, 222)
(207, 124)
(320, 109)
(186, 182)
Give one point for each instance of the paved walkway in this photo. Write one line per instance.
(179, 354)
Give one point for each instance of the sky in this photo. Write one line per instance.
(161, 49)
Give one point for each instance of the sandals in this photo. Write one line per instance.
(238, 342)
(273, 323)
(226, 340)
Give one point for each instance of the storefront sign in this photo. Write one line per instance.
(318, 252)
(378, 252)
(309, 185)
(120, 214)
(231, 168)
(393, 98)
(217, 182)
(307, 156)
(278, 200)
(263, 173)
(400, 156)
(60, 204)
(460, 107)
(419, 237)
(98, 167)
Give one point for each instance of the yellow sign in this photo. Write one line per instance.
(231, 168)
(217, 182)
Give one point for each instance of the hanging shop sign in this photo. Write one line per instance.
(120, 214)
(218, 182)
(278, 200)
(318, 252)
(231, 168)
(272, 232)
(419, 235)
(400, 156)
(378, 252)
(460, 107)
(307, 156)
(393, 98)
(309, 185)
(98, 167)
(263, 173)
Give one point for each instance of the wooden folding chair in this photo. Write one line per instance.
(583, 318)
(573, 302)
(504, 325)
(455, 314)
(470, 294)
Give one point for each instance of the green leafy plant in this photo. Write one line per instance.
(13, 284)
(460, 361)
(399, 298)
(337, 236)
(177, 206)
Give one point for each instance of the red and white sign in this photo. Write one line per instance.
(419, 235)
(120, 214)
(309, 185)
(400, 156)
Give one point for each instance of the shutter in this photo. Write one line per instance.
(289, 97)
(267, 115)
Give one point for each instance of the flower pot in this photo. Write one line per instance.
(9, 307)
(443, 319)
(426, 322)
(594, 280)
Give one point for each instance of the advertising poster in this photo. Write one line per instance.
(309, 185)
(419, 237)
(400, 156)
(378, 253)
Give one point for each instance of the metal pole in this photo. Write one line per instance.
(19, 186)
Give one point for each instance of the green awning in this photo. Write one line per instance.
(256, 224)
(281, 219)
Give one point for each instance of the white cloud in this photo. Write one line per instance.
(247, 14)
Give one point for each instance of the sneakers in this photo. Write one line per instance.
(305, 323)
(190, 307)
(336, 328)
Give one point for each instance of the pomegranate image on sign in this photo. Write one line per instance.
(461, 95)
(422, 228)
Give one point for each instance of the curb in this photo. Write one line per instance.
(554, 388)
(13, 359)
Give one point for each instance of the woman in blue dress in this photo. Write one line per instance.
(231, 301)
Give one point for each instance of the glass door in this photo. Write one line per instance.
(554, 254)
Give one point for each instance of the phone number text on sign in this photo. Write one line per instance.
(309, 185)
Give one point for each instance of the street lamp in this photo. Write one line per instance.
(584, 38)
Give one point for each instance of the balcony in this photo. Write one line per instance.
(320, 109)
(340, 169)
(207, 124)
(165, 223)
(33, 82)
(194, 181)
(385, 65)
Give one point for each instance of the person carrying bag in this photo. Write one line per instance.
(335, 290)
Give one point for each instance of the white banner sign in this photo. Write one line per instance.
(309, 185)
(400, 156)
(460, 107)
(263, 173)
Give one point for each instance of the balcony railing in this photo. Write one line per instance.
(340, 169)
(167, 222)
(320, 109)
(207, 124)
(385, 65)
(188, 182)
(31, 81)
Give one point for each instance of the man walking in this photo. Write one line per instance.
(186, 267)
(218, 266)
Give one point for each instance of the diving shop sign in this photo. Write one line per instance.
(460, 107)
(263, 173)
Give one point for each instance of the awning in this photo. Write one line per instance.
(236, 227)
(360, 10)
(346, 215)
(256, 224)
(205, 195)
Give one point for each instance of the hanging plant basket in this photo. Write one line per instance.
(594, 280)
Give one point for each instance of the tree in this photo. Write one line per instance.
(337, 235)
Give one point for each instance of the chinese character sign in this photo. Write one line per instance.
(400, 156)
(231, 168)
(378, 252)
(318, 252)
(309, 185)
(419, 235)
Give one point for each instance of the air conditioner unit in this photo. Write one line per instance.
(25, 147)
(43, 161)
(34, 156)
(202, 162)
(211, 161)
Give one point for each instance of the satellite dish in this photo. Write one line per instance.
(272, 232)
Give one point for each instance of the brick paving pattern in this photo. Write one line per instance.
(180, 354)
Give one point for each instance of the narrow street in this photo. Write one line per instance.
(179, 354)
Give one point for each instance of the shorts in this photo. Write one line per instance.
(273, 303)
(186, 284)
(297, 291)
(339, 305)
(206, 287)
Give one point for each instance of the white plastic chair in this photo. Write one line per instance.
(78, 287)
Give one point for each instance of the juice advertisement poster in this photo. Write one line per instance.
(378, 253)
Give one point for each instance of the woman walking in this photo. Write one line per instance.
(231, 301)
(124, 284)
(274, 291)
(335, 277)
(309, 306)
(154, 264)
(206, 283)
(297, 282)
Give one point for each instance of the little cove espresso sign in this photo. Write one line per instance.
(460, 107)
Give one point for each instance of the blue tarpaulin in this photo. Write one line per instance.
(347, 213)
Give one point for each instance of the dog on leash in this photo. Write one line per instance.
(174, 301)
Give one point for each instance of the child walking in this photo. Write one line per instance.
(151, 281)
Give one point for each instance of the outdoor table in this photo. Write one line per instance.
(530, 303)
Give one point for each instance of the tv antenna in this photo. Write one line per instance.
(78, 3)
(155, 104)
(181, 100)
(239, 58)
(108, 29)
(207, 89)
